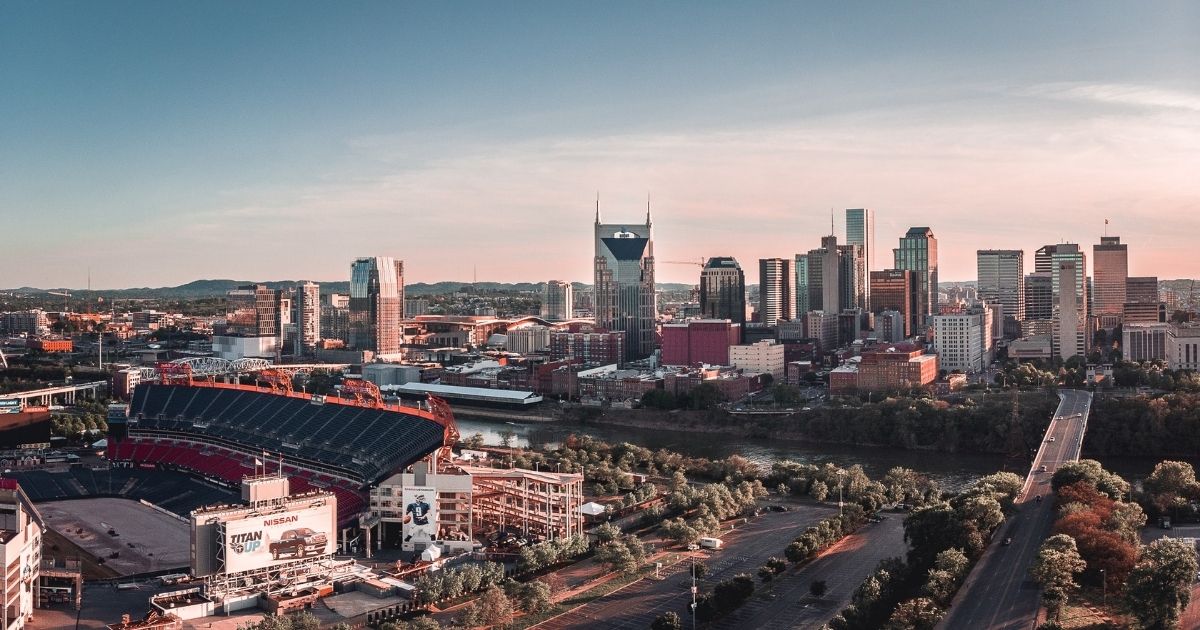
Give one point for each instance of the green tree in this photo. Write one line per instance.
(667, 621)
(493, 608)
(474, 441)
(1159, 587)
(534, 597)
(625, 555)
(915, 614)
(659, 399)
(1172, 486)
(1091, 471)
(1054, 569)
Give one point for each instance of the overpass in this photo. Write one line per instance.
(999, 593)
(65, 393)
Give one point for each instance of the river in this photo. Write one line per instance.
(951, 470)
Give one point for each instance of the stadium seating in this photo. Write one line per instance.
(218, 432)
(173, 491)
(366, 443)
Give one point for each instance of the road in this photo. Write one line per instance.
(843, 567)
(999, 594)
(745, 549)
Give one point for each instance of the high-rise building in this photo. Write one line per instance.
(852, 278)
(961, 341)
(889, 325)
(308, 317)
(1070, 337)
(1141, 290)
(558, 302)
(1110, 266)
(800, 268)
(625, 298)
(1072, 253)
(1141, 301)
(831, 268)
(414, 307)
(774, 290)
(699, 341)
(860, 230)
(377, 304)
(896, 290)
(1043, 259)
(918, 253)
(252, 311)
(723, 291)
(1039, 296)
(1001, 280)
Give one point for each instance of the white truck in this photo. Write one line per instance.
(710, 543)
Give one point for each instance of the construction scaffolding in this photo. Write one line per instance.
(537, 503)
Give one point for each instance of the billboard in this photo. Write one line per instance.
(419, 524)
(263, 541)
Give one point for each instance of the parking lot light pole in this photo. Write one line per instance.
(692, 548)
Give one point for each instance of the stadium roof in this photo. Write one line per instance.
(481, 394)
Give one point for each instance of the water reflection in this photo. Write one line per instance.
(951, 470)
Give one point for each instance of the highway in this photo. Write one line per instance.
(999, 594)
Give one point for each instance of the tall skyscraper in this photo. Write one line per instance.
(918, 253)
(308, 318)
(558, 301)
(830, 276)
(377, 304)
(723, 291)
(860, 230)
(896, 290)
(1069, 332)
(1001, 280)
(1072, 253)
(852, 278)
(625, 298)
(1110, 266)
(774, 290)
(803, 304)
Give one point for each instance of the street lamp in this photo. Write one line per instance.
(1104, 586)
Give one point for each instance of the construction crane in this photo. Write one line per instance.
(685, 262)
(65, 295)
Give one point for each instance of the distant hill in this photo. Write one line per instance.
(216, 288)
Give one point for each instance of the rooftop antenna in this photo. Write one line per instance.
(832, 230)
(648, 208)
(597, 207)
(1106, 228)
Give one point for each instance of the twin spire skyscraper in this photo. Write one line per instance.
(625, 297)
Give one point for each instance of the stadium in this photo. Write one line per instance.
(227, 431)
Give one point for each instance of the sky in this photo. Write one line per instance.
(156, 143)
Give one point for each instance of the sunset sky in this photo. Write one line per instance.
(161, 142)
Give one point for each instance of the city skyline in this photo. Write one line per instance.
(344, 131)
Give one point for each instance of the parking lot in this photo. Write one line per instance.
(745, 549)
